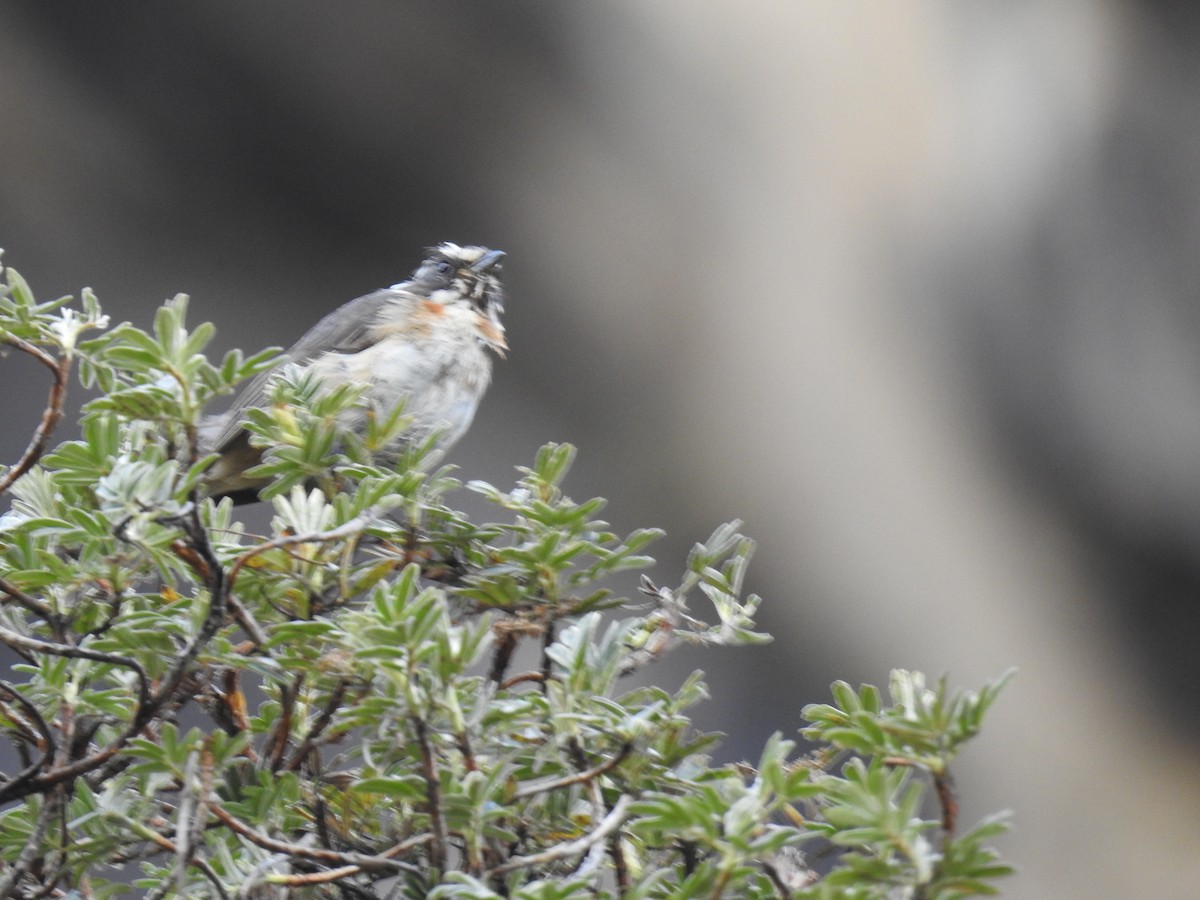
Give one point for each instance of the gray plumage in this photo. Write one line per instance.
(423, 342)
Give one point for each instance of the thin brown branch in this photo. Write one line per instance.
(433, 793)
(165, 843)
(22, 726)
(218, 587)
(242, 615)
(506, 644)
(53, 859)
(578, 847)
(33, 845)
(547, 664)
(553, 784)
(16, 789)
(664, 625)
(578, 757)
(278, 741)
(313, 878)
(595, 856)
(203, 569)
(464, 747)
(185, 819)
(620, 865)
(358, 861)
(61, 370)
(31, 604)
(249, 624)
(353, 527)
(320, 818)
(34, 645)
(943, 785)
(200, 565)
(59, 853)
(514, 680)
(114, 610)
(322, 722)
(49, 745)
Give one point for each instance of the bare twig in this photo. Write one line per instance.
(358, 861)
(53, 861)
(590, 864)
(219, 585)
(114, 610)
(506, 644)
(943, 785)
(33, 605)
(33, 645)
(23, 727)
(249, 624)
(201, 566)
(185, 820)
(218, 588)
(33, 845)
(61, 369)
(277, 742)
(552, 784)
(547, 664)
(349, 529)
(145, 832)
(312, 878)
(352, 528)
(582, 845)
(665, 624)
(620, 865)
(463, 739)
(332, 705)
(514, 680)
(433, 792)
(49, 745)
(58, 855)
(16, 789)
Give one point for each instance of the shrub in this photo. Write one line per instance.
(383, 698)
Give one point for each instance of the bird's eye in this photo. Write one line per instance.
(444, 268)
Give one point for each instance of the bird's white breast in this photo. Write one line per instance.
(435, 364)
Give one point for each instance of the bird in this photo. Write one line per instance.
(425, 343)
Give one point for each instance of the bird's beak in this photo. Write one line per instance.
(492, 330)
(488, 261)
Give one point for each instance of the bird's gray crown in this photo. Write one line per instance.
(471, 271)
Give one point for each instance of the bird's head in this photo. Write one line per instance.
(454, 275)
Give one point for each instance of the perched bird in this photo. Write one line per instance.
(423, 342)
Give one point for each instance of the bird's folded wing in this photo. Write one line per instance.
(348, 329)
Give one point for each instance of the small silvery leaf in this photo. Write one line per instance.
(301, 512)
(136, 492)
(13, 519)
(71, 324)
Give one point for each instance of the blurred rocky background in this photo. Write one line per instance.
(910, 287)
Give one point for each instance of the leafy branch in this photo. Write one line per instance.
(384, 697)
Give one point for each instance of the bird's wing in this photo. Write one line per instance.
(348, 329)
